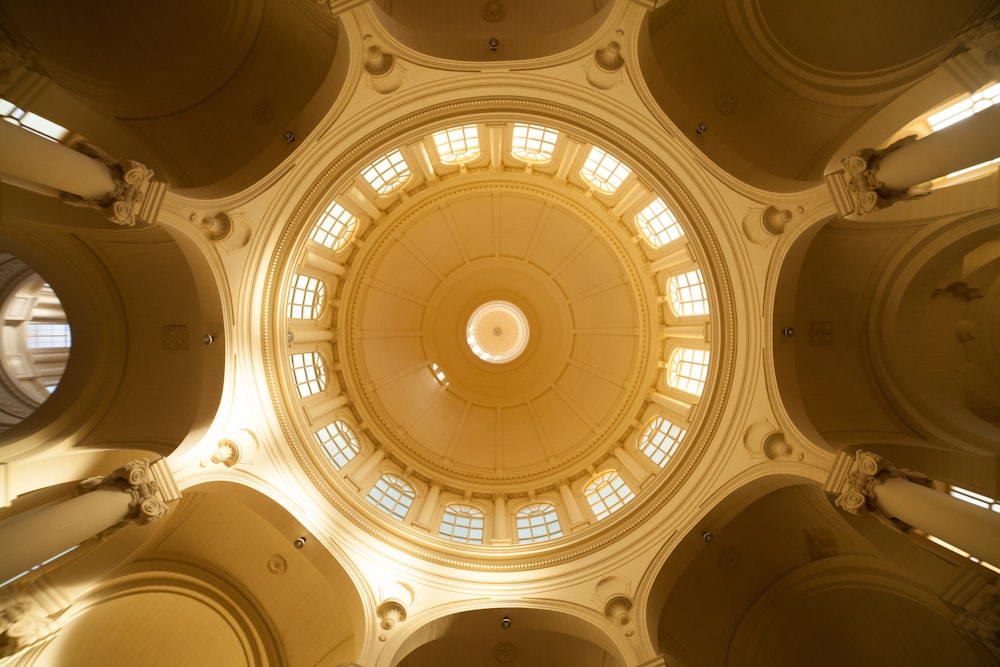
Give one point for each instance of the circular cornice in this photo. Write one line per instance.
(707, 248)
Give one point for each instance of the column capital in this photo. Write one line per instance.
(866, 192)
(135, 196)
(854, 479)
(150, 485)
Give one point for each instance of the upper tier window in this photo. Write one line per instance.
(983, 99)
(309, 373)
(533, 143)
(306, 298)
(32, 122)
(41, 335)
(457, 144)
(387, 173)
(462, 523)
(338, 442)
(537, 523)
(607, 494)
(688, 370)
(392, 495)
(660, 441)
(335, 227)
(604, 171)
(687, 294)
(658, 224)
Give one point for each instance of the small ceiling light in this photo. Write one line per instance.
(494, 43)
(289, 136)
(505, 623)
(702, 128)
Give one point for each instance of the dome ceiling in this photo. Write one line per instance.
(417, 381)
(491, 321)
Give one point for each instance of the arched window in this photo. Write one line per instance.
(32, 122)
(660, 441)
(965, 107)
(687, 294)
(687, 370)
(35, 341)
(309, 373)
(462, 523)
(457, 144)
(533, 143)
(392, 495)
(335, 227)
(658, 224)
(607, 493)
(537, 523)
(50, 336)
(306, 297)
(387, 173)
(338, 442)
(604, 171)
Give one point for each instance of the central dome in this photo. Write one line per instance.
(498, 333)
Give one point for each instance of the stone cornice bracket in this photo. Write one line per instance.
(151, 488)
(857, 188)
(854, 481)
(136, 197)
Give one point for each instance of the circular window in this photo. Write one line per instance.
(497, 332)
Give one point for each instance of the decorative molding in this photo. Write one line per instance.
(605, 70)
(390, 613)
(761, 438)
(853, 481)
(977, 603)
(136, 196)
(383, 74)
(216, 227)
(494, 11)
(761, 226)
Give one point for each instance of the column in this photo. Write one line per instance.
(864, 482)
(135, 493)
(876, 179)
(85, 176)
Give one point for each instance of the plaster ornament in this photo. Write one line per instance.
(867, 191)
